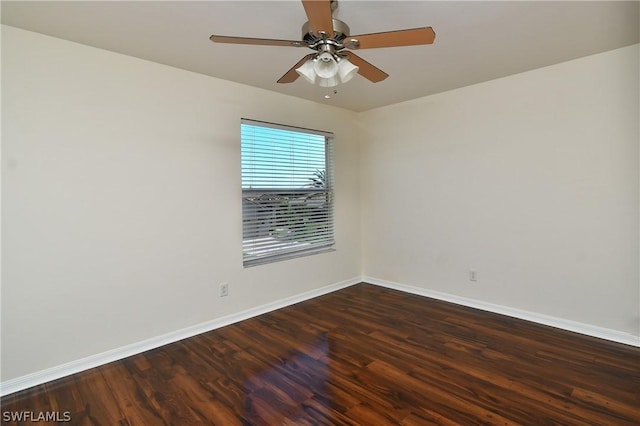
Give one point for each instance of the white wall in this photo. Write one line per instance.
(121, 200)
(532, 180)
(121, 196)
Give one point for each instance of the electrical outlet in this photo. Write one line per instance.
(473, 275)
(224, 289)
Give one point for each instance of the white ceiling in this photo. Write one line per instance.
(475, 40)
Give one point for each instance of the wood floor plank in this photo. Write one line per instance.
(363, 355)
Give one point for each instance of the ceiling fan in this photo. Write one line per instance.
(333, 61)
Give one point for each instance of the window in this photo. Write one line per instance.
(287, 192)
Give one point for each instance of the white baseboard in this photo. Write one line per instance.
(57, 372)
(577, 327)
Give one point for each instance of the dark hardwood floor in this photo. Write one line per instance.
(364, 355)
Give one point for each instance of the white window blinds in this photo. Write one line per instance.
(287, 192)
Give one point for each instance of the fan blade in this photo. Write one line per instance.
(319, 15)
(365, 69)
(410, 37)
(292, 75)
(257, 41)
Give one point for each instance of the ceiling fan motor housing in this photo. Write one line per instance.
(340, 32)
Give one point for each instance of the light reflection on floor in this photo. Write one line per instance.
(281, 391)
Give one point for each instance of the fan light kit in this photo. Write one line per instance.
(327, 70)
(332, 63)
